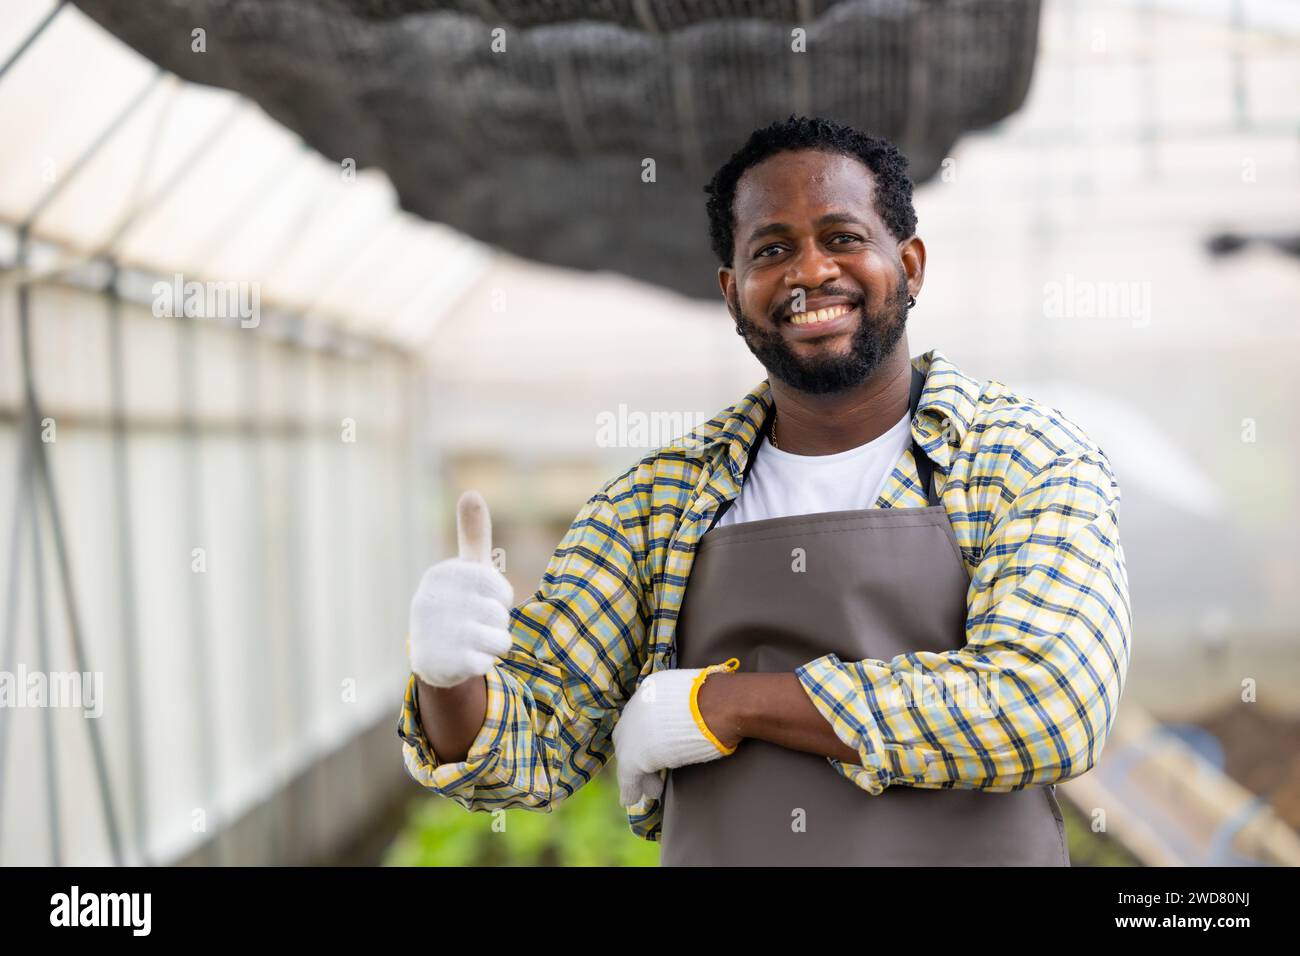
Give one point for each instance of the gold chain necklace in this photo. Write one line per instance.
(772, 437)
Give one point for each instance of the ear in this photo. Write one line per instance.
(912, 254)
(727, 282)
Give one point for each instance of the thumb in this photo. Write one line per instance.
(473, 528)
(652, 785)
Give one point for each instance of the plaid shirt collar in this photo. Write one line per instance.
(950, 398)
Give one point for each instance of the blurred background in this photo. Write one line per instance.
(279, 280)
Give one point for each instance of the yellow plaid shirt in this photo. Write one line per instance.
(1035, 508)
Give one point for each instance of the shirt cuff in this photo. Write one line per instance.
(841, 699)
(422, 762)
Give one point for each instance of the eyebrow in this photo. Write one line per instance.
(826, 220)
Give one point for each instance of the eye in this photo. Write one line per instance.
(776, 245)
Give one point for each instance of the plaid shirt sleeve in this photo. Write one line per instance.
(1047, 649)
(553, 699)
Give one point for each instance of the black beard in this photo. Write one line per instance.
(874, 340)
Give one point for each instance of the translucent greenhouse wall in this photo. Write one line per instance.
(239, 512)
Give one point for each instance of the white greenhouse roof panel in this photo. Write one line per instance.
(123, 160)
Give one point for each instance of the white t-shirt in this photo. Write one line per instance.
(781, 484)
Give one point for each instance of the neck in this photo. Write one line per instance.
(827, 424)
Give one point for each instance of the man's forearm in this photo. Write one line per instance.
(452, 716)
(771, 707)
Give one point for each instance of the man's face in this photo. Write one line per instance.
(806, 220)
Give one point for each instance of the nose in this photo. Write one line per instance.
(810, 267)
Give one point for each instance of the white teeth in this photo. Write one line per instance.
(821, 315)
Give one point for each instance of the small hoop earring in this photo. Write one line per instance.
(911, 301)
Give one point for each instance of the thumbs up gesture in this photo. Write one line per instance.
(461, 611)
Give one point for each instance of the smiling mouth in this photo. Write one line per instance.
(821, 316)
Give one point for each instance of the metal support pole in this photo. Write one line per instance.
(203, 671)
(104, 136)
(22, 502)
(136, 756)
(31, 38)
(47, 715)
(45, 481)
(262, 683)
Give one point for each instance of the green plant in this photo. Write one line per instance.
(588, 828)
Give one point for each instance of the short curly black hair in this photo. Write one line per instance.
(893, 193)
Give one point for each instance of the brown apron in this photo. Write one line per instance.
(878, 583)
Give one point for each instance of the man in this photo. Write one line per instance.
(870, 614)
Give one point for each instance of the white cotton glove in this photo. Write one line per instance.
(657, 730)
(461, 611)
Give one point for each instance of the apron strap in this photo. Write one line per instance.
(924, 466)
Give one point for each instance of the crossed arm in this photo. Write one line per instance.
(772, 707)
(1029, 699)
(1048, 626)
